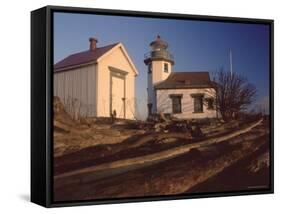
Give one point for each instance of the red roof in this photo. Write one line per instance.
(83, 57)
(186, 80)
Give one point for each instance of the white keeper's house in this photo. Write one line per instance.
(185, 95)
(97, 82)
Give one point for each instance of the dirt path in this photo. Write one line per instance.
(239, 176)
(132, 163)
(176, 175)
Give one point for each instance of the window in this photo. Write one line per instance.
(210, 103)
(176, 103)
(198, 103)
(166, 67)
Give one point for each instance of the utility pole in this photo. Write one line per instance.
(230, 61)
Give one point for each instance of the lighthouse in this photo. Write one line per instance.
(159, 64)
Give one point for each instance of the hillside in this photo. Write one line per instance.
(95, 158)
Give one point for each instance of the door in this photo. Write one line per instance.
(118, 96)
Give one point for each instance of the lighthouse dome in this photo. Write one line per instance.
(158, 43)
(159, 52)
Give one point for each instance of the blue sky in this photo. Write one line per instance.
(196, 45)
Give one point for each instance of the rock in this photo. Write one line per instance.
(60, 126)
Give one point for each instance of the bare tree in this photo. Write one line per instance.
(234, 93)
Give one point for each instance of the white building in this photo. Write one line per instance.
(186, 95)
(97, 82)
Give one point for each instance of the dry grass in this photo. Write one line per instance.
(96, 159)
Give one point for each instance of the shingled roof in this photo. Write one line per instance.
(82, 57)
(179, 80)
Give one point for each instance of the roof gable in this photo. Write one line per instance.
(125, 54)
(186, 80)
(83, 57)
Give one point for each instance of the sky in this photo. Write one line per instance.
(195, 45)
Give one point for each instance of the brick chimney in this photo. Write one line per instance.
(93, 43)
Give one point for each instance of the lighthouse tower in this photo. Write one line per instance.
(159, 66)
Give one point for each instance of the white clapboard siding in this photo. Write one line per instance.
(77, 90)
(164, 102)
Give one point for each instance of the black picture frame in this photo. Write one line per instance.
(41, 103)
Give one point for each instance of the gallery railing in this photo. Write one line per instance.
(159, 54)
